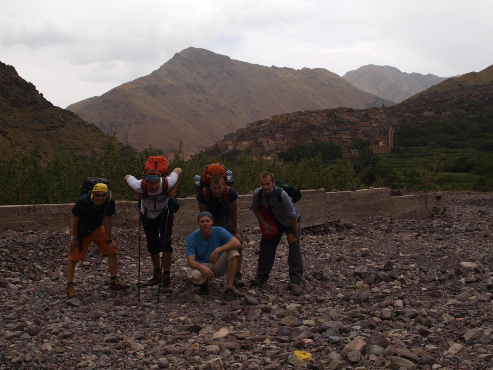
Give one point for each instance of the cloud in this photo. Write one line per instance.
(104, 44)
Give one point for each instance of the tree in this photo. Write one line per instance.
(367, 166)
(360, 143)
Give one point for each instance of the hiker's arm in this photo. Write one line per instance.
(294, 226)
(136, 194)
(234, 219)
(75, 232)
(108, 224)
(172, 192)
(208, 274)
(232, 244)
(202, 207)
(267, 227)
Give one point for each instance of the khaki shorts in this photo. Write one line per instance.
(219, 269)
(98, 236)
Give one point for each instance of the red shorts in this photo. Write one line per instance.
(98, 236)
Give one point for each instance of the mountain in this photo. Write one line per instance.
(30, 120)
(469, 79)
(198, 96)
(389, 82)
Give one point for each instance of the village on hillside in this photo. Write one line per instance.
(265, 138)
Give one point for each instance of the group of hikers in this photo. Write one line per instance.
(213, 250)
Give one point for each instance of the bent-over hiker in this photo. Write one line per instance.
(212, 252)
(157, 220)
(93, 212)
(223, 204)
(287, 219)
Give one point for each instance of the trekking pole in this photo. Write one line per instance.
(162, 258)
(138, 286)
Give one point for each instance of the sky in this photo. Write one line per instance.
(73, 50)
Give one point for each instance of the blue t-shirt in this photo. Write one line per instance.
(202, 248)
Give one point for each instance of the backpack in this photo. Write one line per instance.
(293, 192)
(89, 183)
(202, 183)
(159, 165)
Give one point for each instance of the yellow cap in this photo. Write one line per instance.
(99, 187)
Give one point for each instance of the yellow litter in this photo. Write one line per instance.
(302, 355)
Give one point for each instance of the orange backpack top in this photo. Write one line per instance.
(155, 165)
(211, 170)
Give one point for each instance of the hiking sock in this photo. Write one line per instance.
(113, 278)
(158, 270)
(70, 283)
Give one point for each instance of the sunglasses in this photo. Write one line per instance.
(100, 195)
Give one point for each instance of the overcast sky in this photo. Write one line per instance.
(72, 50)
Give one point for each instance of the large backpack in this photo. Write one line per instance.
(293, 192)
(155, 165)
(202, 183)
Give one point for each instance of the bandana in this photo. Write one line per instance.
(99, 187)
(205, 213)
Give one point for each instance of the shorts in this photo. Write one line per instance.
(219, 269)
(98, 236)
(155, 230)
(225, 221)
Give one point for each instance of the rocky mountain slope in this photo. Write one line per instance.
(384, 293)
(469, 79)
(198, 96)
(389, 82)
(29, 120)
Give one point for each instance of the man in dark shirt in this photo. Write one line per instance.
(90, 213)
(287, 217)
(224, 208)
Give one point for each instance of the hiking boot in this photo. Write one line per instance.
(71, 291)
(117, 284)
(167, 284)
(156, 278)
(204, 288)
(291, 285)
(258, 281)
(237, 281)
(229, 295)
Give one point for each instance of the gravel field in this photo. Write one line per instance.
(384, 293)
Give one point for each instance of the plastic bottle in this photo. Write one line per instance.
(229, 177)
(197, 180)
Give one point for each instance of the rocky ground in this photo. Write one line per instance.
(398, 294)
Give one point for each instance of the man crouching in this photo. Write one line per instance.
(211, 252)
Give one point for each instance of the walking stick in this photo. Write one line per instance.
(162, 258)
(138, 289)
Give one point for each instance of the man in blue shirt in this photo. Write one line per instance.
(287, 217)
(212, 252)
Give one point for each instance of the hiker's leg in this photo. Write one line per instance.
(71, 271)
(231, 270)
(166, 231)
(156, 261)
(151, 230)
(267, 256)
(113, 265)
(295, 260)
(75, 255)
(240, 259)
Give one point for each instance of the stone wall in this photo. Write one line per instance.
(317, 207)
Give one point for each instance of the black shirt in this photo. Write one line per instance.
(216, 206)
(86, 210)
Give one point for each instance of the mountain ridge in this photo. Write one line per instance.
(198, 96)
(31, 121)
(389, 82)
